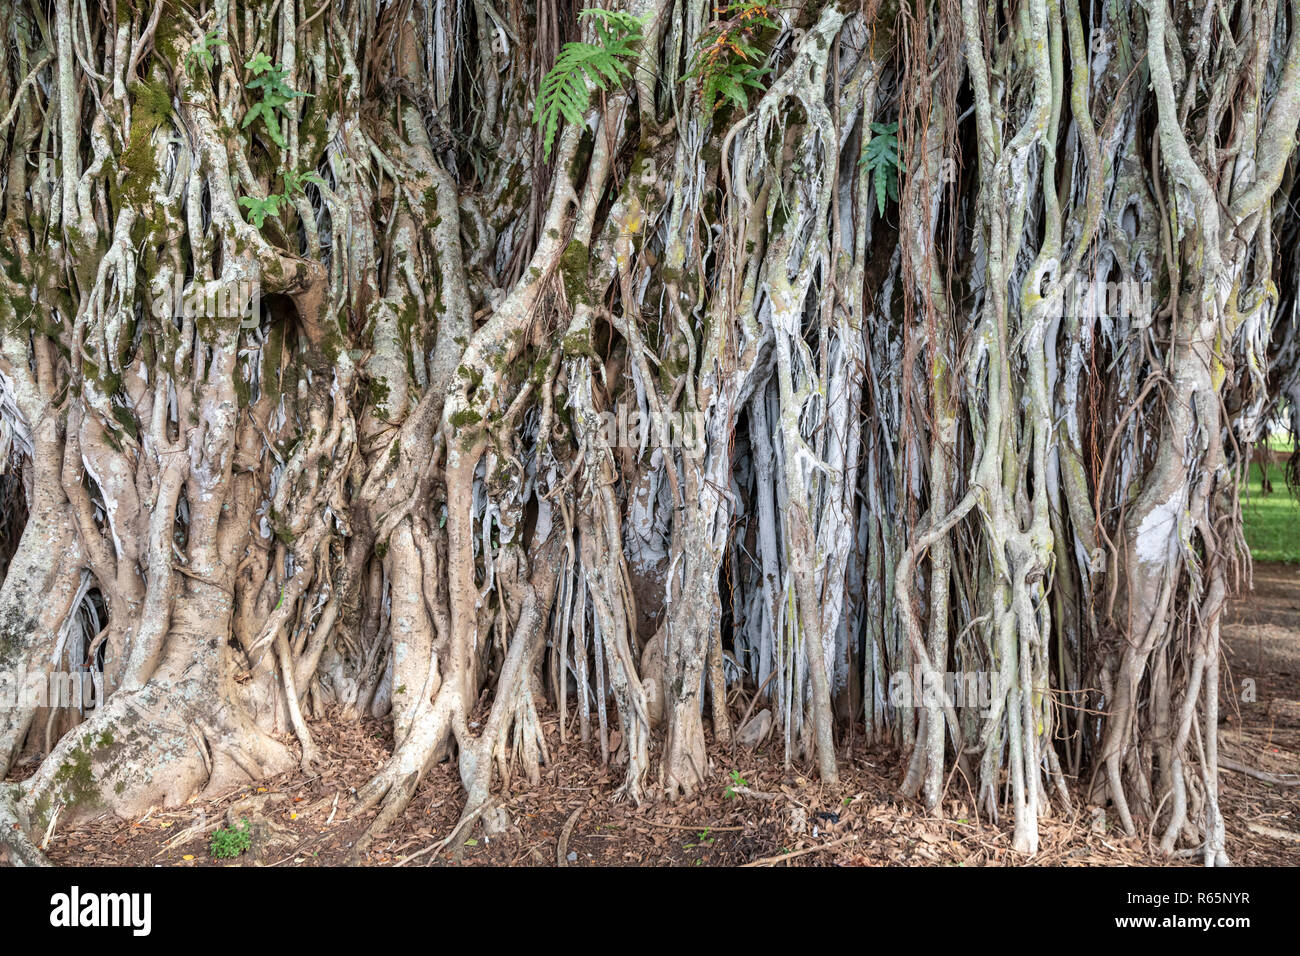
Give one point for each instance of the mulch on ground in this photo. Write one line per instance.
(753, 809)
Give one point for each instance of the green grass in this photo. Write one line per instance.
(1271, 522)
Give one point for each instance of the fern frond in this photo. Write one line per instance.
(617, 22)
(566, 88)
(883, 163)
(728, 62)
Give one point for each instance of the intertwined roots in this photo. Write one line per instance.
(817, 353)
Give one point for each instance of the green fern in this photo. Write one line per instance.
(566, 88)
(882, 162)
(728, 63)
(276, 95)
(731, 84)
(200, 58)
(259, 209)
(294, 183)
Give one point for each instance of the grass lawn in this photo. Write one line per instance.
(1272, 522)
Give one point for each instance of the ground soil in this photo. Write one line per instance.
(753, 811)
(1261, 711)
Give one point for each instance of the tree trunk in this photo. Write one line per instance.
(347, 364)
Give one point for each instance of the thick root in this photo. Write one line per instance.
(16, 846)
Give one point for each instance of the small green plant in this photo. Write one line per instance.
(276, 95)
(729, 63)
(201, 57)
(881, 161)
(229, 842)
(701, 839)
(736, 781)
(566, 88)
(260, 209)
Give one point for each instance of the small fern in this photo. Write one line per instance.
(882, 162)
(259, 209)
(294, 183)
(728, 64)
(731, 84)
(566, 88)
(276, 95)
(201, 58)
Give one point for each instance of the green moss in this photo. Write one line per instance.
(464, 417)
(542, 363)
(243, 391)
(108, 382)
(579, 343)
(281, 529)
(581, 157)
(41, 812)
(379, 392)
(272, 353)
(151, 106)
(471, 375)
(429, 203)
(575, 272)
(170, 35)
(76, 780)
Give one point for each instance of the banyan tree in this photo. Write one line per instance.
(474, 362)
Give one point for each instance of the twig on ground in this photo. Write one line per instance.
(563, 845)
(1281, 779)
(783, 857)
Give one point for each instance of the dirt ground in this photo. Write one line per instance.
(1261, 718)
(753, 811)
